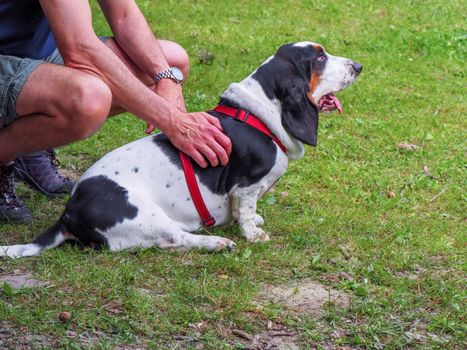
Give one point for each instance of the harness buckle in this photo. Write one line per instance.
(209, 221)
(241, 119)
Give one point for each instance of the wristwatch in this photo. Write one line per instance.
(172, 73)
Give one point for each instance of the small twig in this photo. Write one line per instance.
(241, 334)
(185, 338)
(427, 173)
(439, 194)
(281, 334)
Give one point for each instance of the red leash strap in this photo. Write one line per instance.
(247, 118)
(198, 201)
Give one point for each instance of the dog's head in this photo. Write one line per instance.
(303, 77)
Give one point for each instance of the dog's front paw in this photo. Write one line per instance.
(225, 244)
(256, 235)
(258, 220)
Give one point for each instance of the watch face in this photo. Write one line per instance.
(177, 73)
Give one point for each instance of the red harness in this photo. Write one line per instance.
(242, 116)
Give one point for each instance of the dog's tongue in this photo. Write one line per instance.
(329, 102)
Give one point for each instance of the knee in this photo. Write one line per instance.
(179, 58)
(91, 101)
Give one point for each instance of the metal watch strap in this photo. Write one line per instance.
(167, 74)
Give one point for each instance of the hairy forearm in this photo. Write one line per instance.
(128, 92)
(135, 37)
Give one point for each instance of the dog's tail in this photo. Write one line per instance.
(51, 238)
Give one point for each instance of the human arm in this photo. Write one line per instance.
(134, 36)
(196, 134)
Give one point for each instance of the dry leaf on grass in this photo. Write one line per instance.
(407, 146)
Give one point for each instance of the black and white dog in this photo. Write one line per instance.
(137, 196)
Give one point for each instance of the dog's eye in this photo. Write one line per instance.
(321, 58)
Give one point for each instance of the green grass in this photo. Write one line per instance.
(404, 254)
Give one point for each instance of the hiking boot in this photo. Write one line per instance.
(39, 170)
(11, 208)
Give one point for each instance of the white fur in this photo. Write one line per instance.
(305, 44)
(337, 75)
(31, 249)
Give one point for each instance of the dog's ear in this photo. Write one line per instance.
(299, 115)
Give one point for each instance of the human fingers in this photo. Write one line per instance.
(198, 157)
(224, 141)
(209, 153)
(220, 150)
(212, 120)
(149, 128)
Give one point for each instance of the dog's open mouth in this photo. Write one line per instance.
(328, 103)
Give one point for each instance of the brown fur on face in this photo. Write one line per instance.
(314, 82)
(318, 48)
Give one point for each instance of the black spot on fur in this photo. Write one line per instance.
(116, 173)
(135, 170)
(97, 205)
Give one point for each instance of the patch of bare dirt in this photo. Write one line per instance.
(20, 279)
(299, 297)
(305, 296)
(413, 275)
(21, 339)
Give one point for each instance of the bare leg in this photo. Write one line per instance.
(57, 105)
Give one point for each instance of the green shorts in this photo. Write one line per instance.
(14, 72)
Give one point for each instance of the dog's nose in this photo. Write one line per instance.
(357, 67)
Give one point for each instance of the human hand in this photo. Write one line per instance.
(200, 136)
(172, 92)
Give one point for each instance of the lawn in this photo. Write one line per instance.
(381, 225)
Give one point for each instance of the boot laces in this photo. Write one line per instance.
(55, 164)
(7, 187)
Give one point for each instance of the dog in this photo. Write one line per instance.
(137, 196)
